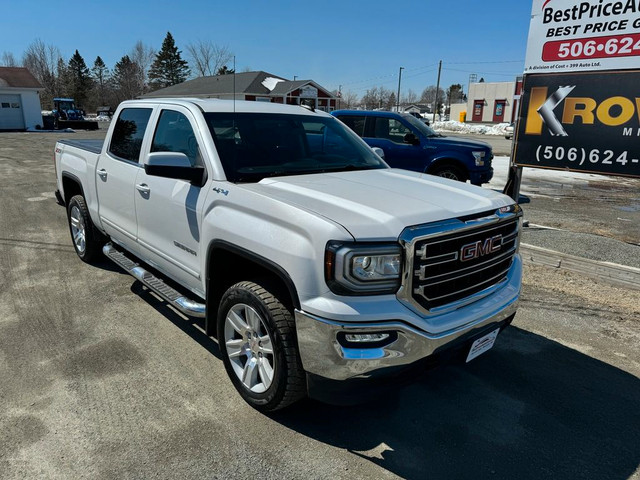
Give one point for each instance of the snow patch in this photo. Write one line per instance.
(469, 128)
(270, 83)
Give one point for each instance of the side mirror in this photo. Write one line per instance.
(174, 165)
(378, 151)
(411, 139)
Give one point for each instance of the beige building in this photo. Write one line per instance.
(491, 102)
(19, 99)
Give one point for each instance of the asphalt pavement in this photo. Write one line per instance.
(101, 379)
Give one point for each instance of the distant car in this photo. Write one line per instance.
(410, 144)
(508, 132)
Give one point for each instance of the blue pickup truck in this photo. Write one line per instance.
(410, 144)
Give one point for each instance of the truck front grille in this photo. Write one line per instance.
(463, 260)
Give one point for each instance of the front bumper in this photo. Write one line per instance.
(324, 354)
(479, 177)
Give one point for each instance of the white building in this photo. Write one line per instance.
(491, 102)
(19, 99)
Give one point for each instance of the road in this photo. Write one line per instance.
(100, 379)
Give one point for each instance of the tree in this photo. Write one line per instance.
(454, 94)
(409, 98)
(8, 60)
(349, 99)
(143, 55)
(125, 78)
(390, 103)
(429, 97)
(376, 98)
(80, 79)
(168, 68)
(101, 79)
(207, 58)
(43, 61)
(225, 71)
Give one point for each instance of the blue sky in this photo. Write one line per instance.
(356, 44)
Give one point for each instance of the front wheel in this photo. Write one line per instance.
(257, 338)
(87, 241)
(451, 172)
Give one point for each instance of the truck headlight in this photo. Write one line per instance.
(363, 269)
(479, 157)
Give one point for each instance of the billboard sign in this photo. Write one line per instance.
(583, 35)
(582, 121)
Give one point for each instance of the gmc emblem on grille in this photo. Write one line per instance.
(478, 249)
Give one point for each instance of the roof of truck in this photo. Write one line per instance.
(227, 106)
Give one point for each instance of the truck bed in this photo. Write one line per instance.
(93, 146)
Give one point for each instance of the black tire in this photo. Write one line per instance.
(451, 172)
(89, 247)
(288, 383)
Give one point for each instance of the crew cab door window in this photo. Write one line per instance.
(175, 134)
(354, 122)
(390, 129)
(128, 133)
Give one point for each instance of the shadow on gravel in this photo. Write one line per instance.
(194, 327)
(530, 408)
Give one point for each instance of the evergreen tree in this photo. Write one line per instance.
(101, 79)
(168, 68)
(126, 76)
(223, 70)
(80, 79)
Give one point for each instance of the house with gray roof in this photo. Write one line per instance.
(19, 99)
(253, 86)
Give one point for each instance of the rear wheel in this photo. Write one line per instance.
(451, 172)
(87, 241)
(257, 338)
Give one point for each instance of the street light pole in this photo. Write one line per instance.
(437, 90)
(398, 97)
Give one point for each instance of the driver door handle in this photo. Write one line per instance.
(102, 173)
(143, 188)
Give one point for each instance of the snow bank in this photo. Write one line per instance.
(469, 128)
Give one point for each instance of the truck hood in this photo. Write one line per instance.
(379, 204)
(460, 142)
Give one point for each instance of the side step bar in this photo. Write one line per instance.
(185, 305)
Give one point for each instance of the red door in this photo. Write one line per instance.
(498, 111)
(478, 106)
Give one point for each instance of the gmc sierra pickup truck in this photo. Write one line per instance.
(318, 268)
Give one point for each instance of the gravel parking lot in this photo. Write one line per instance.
(100, 379)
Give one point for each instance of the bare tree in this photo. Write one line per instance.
(409, 98)
(207, 58)
(429, 96)
(377, 98)
(349, 99)
(143, 56)
(44, 63)
(8, 60)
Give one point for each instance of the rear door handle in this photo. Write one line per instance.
(143, 188)
(102, 173)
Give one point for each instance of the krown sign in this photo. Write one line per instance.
(571, 35)
(586, 121)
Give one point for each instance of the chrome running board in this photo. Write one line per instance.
(185, 305)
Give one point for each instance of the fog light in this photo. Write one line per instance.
(365, 337)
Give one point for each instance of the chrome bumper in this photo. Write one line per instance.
(322, 353)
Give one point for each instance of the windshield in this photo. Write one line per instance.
(420, 125)
(253, 146)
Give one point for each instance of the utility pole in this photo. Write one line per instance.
(437, 91)
(398, 97)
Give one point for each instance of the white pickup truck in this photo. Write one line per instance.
(319, 269)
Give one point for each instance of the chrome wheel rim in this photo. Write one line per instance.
(78, 230)
(249, 348)
(448, 174)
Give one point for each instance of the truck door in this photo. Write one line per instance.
(169, 211)
(388, 134)
(116, 173)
